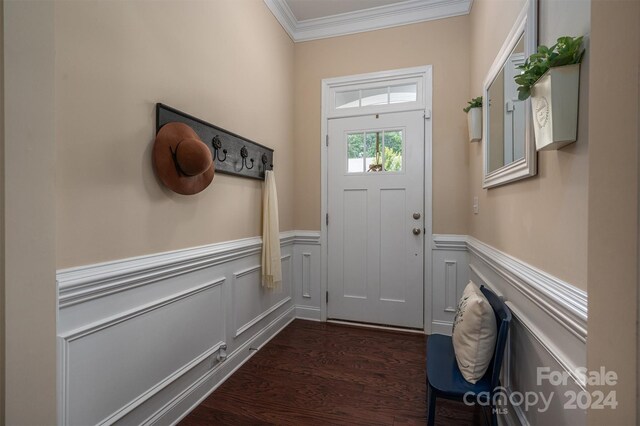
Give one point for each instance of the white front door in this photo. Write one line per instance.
(376, 219)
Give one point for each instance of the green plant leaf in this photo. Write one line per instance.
(473, 103)
(567, 51)
(523, 93)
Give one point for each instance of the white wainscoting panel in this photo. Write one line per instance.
(450, 276)
(451, 285)
(140, 372)
(549, 327)
(250, 302)
(306, 274)
(526, 350)
(139, 339)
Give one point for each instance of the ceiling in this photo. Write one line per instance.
(306, 20)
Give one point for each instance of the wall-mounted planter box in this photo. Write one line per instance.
(554, 103)
(474, 120)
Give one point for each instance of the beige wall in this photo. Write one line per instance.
(29, 192)
(613, 202)
(443, 44)
(541, 220)
(226, 61)
(114, 60)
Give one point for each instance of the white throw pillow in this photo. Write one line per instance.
(474, 333)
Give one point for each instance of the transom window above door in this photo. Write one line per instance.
(375, 151)
(378, 95)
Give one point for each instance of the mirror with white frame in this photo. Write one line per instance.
(509, 148)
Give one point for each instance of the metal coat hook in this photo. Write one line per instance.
(216, 149)
(244, 153)
(265, 160)
(226, 147)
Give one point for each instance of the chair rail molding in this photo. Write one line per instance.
(449, 242)
(84, 283)
(564, 302)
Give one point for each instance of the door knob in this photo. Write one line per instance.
(416, 216)
(416, 231)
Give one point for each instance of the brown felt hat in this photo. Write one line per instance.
(181, 160)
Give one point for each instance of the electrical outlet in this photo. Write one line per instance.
(476, 206)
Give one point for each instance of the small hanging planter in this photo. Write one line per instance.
(552, 78)
(474, 119)
(554, 102)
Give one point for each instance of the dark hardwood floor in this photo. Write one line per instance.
(318, 373)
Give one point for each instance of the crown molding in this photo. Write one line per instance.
(375, 18)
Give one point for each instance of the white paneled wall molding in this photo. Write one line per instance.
(564, 302)
(559, 299)
(450, 276)
(549, 327)
(144, 340)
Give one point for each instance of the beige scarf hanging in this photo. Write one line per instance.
(271, 266)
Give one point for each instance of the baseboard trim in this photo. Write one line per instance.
(374, 326)
(515, 415)
(311, 313)
(160, 386)
(441, 327)
(260, 317)
(225, 370)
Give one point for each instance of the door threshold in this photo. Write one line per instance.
(376, 326)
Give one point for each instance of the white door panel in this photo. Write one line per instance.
(375, 260)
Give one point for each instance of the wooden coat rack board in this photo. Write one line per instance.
(233, 154)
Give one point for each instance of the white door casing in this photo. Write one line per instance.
(423, 76)
(375, 236)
